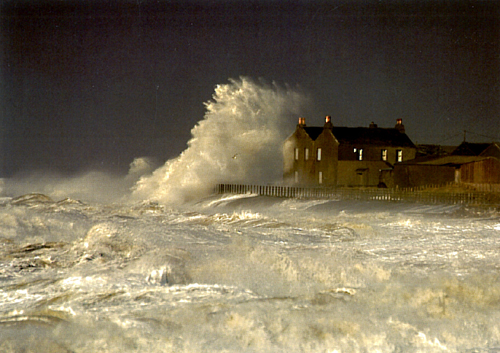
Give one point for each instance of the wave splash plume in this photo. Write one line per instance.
(239, 140)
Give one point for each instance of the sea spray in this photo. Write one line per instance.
(88, 186)
(238, 141)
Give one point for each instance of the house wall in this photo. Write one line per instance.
(406, 176)
(387, 178)
(301, 140)
(374, 153)
(328, 165)
(359, 173)
(308, 169)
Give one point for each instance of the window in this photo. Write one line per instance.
(359, 153)
(296, 154)
(306, 154)
(399, 157)
(384, 155)
(318, 154)
(296, 176)
(320, 177)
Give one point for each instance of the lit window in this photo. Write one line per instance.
(296, 154)
(296, 177)
(306, 153)
(320, 177)
(384, 155)
(360, 154)
(399, 155)
(318, 154)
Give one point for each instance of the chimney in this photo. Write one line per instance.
(328, 122)
(302, 122)
(399, 126)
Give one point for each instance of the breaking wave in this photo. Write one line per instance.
(239, 140)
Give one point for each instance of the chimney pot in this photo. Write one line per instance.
(328, 122)
(399, 125)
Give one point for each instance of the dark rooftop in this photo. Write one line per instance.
(470, 149)
(364, 135)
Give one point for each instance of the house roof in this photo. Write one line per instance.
(364, 136)
(434, 150)
(470, 149)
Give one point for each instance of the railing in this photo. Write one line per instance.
(425, 196)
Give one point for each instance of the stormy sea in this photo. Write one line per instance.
(155, 262)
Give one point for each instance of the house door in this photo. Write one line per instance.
(362, 177)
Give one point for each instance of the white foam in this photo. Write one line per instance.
(239, 140)
(229, 198)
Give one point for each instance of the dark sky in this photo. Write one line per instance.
(93, 84)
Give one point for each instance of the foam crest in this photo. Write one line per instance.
(239, 140)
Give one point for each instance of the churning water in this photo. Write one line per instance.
(226, 273)
(252, 274)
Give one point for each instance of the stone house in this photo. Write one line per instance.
(343, 156)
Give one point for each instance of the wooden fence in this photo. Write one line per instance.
(365, 194)
(483, 187)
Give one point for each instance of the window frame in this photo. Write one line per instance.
(384, 154)
(399, 156)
